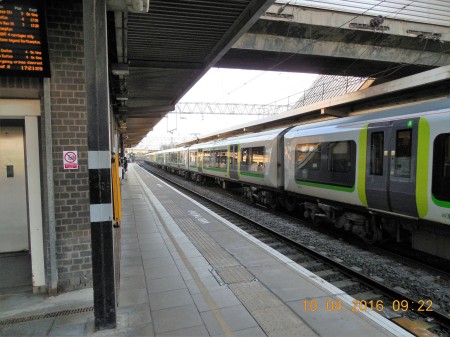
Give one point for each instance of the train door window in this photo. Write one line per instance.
(339, 157)
(214, 160)
(199, 157)
(182, 158)
(245, 159)
(233, 156)
(403, 153)
(308, 156)
(193, 158)
(441, 167)
(207, 158)
(376, 153)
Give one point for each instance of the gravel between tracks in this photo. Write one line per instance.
(420, 284)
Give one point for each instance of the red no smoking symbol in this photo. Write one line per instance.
(70, 157)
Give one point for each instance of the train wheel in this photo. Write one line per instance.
(372, 233)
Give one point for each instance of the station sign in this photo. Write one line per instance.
(23, 38)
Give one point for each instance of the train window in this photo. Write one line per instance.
(403, 153)
(215, 158)
(339, 156)
(441, 167)
(253, 159)
(376, 153)
(307, 156)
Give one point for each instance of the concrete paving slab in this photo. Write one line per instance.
(132, 270)
(166, 284)
(236, 317)
(74, 330)
(28, 329)
(133, 282)
(177, 318)
(161, 272)
(289, 287)
(130, 297)
(140, 330)
(158, 262)
(196, 331)
(222, 298)
(170, 299)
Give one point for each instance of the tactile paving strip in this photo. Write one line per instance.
(274, 317)
(213, 253)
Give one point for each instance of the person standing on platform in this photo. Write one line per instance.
(124, 166)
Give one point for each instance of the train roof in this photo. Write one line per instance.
(407, 111)
(247, 138)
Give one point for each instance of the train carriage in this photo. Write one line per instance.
(251, 159)
(376, 174)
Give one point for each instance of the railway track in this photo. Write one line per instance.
(416, 315)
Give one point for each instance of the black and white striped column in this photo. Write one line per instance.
(99, 162)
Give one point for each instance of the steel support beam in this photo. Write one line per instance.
(99, 162)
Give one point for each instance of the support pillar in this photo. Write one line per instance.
(99, 162)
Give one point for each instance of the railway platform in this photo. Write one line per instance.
(188, 272)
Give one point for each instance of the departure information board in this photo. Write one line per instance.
(23, 38)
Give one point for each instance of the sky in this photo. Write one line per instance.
(220, 85)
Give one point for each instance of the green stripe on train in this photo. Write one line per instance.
(422, 171)
(214, 169)
(254, 175)
(325, 186)
(440, 203)
(362, 160)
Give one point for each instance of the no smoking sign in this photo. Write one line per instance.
(70, 159)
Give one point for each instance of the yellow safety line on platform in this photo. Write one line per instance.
(212, 305)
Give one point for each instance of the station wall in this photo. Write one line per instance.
(71, 256)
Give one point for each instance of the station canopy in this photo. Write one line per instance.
(435, 12)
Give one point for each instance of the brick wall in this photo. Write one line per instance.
(69, 118)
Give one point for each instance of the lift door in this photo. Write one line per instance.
(13, 195)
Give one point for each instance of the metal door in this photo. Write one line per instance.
(391, 178)
(13, 195)
(233, 162)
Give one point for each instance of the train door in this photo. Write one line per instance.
(377, 168)
(200, 161)
(391, 166)
(233, 162)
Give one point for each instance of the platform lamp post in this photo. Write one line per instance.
(99, 162)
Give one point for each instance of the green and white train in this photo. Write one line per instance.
(382, 175)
